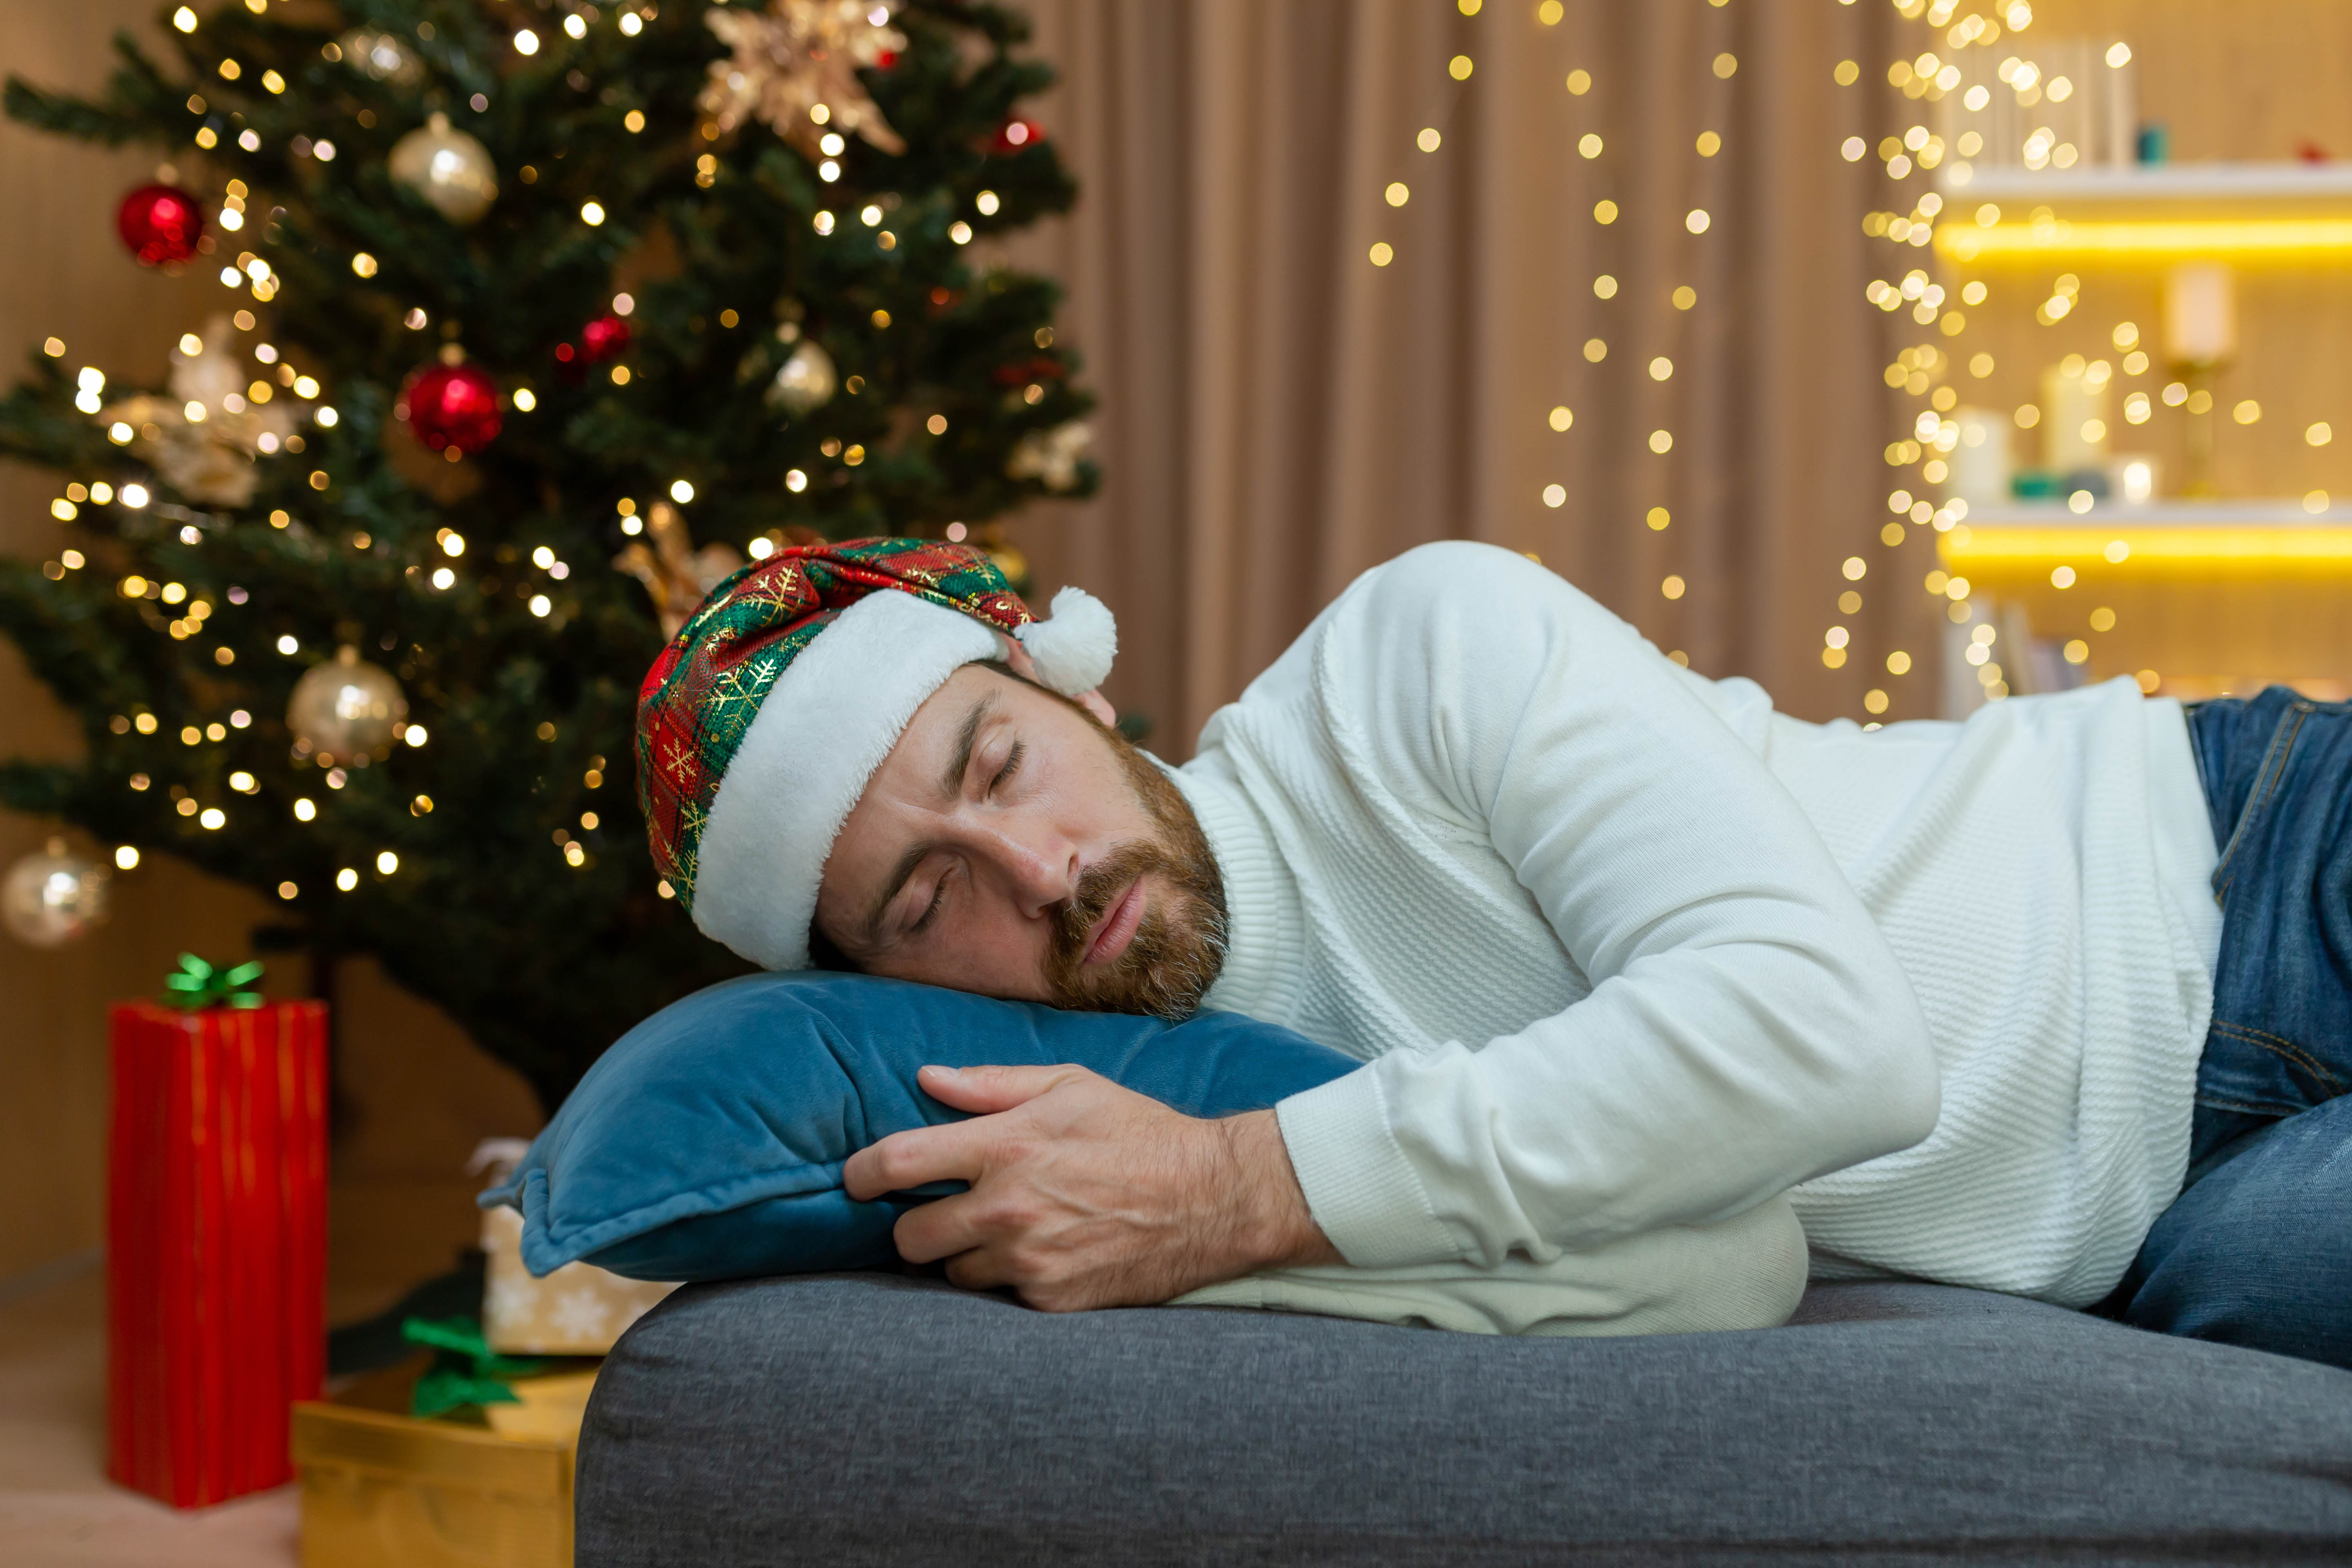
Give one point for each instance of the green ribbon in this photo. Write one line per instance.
(466, 1369)
(199, 985)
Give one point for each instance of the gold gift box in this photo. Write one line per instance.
(382, 1490)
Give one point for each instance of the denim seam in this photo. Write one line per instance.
(2245, 1107)
(2266, 785)
(2286, 1050)
(2284, 1047)
(2267, 780)
(2207, 788)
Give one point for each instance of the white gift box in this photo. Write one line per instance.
(579, 1310)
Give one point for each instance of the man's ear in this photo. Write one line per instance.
(1017, 660)
(1015, 657)
(823, 954)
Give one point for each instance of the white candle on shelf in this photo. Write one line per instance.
(2135, 477)
(2068, 88)
(2073, 417)
(1980, 459)
(2120, 77)
(2201, 314)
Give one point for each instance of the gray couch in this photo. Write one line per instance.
(869, 1419)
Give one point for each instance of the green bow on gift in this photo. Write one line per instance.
(467, 1371)
(199, 985)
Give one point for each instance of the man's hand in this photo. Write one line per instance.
(1087, 1195)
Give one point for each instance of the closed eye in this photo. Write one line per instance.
(939, 901)
(1011, 765)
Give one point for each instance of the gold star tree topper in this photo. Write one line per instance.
(676, 574)
(795, 68)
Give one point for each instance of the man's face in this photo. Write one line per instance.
(1011, 846)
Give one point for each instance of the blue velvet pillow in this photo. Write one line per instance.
(708, 1143)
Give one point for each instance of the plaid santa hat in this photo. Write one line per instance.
(761, 723)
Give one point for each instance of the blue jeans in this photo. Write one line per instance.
(2257, 1250)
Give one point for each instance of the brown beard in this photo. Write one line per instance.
(1179, 946)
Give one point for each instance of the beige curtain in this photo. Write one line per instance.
(1279, 414)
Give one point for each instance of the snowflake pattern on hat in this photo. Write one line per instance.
(699, 699)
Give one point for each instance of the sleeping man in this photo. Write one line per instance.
(2054, 1002)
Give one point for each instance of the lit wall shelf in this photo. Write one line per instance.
(2172, 539)
(2236, 512)
(2213, 595)
(2245, 212)
(2235, 190)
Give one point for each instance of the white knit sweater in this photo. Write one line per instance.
(1624, 948)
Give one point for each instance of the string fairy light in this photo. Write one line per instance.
(1993, 93)
(1924, 369)
(1397, 193)
(1593, 148)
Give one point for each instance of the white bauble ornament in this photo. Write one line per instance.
(346, 710)
(447, 168)
(51, 897)
(383, 56)
(806, 381)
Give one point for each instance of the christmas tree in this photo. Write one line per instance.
(520, 300)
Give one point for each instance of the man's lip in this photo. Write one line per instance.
(1118, 926)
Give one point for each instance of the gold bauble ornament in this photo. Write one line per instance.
(346, 710)
(447, 168)
(53, 897)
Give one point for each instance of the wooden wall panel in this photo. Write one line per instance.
(62, 272)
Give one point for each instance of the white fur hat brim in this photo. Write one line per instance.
(821, 731)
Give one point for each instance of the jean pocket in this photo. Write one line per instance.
(2256, 1071)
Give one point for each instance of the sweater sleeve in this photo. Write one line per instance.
(1748, 1026)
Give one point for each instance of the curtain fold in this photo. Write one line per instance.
(1280, 414)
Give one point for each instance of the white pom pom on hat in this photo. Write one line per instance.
(1074, 647)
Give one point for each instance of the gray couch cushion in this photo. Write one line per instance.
(857, 1419)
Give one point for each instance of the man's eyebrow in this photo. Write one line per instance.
(951, 780)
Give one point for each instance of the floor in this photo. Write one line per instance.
(57, 1507)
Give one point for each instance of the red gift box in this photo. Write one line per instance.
(216, 1245)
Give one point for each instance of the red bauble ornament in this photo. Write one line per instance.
(453, 405)
(1029, 370)
(160, 224)
(1017, 134)
(604, 338)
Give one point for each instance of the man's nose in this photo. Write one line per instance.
(1040, 865)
